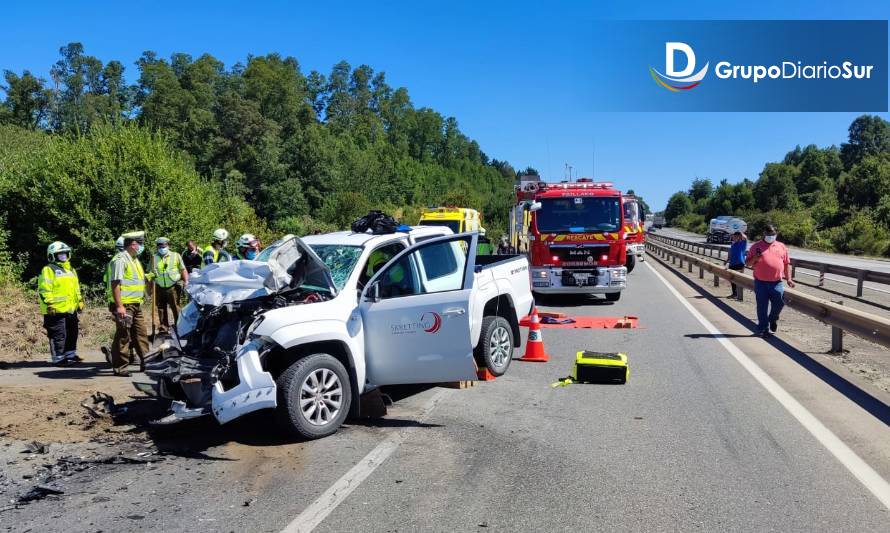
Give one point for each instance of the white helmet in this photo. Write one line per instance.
(57, 247)
(220, 235)
(119, 244)
(246, 241)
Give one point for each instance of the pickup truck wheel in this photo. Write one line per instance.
(313, 396)
(496, 344)
(613, 296)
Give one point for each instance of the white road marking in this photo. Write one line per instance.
(859, 468)
(343, 487)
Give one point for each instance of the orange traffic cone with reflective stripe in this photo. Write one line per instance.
(534, 348)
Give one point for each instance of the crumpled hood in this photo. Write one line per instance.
(287, 262)
(232, 281)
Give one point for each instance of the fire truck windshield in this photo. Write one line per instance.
(578, 214)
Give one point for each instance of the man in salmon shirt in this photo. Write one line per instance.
(769, 260)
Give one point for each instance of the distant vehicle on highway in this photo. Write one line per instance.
(658, 221)
(720, 229)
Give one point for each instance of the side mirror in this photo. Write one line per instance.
(535, 206)
(373, 293)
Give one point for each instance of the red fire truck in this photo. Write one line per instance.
(633, 231)
(573, 234)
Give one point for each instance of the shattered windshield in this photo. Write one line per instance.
(341, 259)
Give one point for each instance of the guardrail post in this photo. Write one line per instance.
(716, 280)
(701, 272)
(793, 271)
(690, 266)
(860, 280)
(822, 269)
(837, 335)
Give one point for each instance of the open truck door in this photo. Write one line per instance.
(416, 314)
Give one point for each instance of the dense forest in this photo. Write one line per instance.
(193, 145)
(834, 198)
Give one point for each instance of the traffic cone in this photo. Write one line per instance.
(534, 348)
(484, 374)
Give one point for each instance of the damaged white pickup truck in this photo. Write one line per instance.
(319, 322)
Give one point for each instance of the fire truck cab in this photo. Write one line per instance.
(574, 236)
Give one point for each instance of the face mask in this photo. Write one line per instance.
(140, 250)
(251, 254)
(163, 251)
(61, 258)
(769, 238)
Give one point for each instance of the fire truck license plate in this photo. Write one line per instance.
(581, 279)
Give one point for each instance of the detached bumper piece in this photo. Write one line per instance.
(599, 367)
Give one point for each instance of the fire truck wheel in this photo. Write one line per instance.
(631, 262)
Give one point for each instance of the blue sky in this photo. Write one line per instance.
(511, 72)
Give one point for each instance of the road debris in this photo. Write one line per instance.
(36, 447)
(100, 405)
(38, 492)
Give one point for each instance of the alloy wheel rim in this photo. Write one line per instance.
(321, 397)
(499, 346)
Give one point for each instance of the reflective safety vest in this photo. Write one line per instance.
(106, 279)
(167, 269)
(59, 288)
(133, 282)
(212, 255)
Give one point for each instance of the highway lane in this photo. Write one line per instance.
(692, 441)
(878, 265)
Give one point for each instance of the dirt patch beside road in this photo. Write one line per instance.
(50, 414)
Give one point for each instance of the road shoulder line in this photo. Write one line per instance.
(866, 475)
(325, 504)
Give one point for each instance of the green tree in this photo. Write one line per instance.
(701, 189)
(678, 205)
(775, 187)
(866, 183)
(869, 135)
(27, 100)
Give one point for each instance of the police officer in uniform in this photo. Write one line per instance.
(125, 303)
(167, 269)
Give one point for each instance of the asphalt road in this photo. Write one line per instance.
(878, 265)
(691, 442)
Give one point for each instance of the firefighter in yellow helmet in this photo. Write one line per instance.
(58, 290)
(125, 303)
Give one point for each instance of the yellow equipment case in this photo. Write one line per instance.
(599, 367)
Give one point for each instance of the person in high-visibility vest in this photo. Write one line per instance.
(167, 269)
(247, 247)
(58, 290)
(125, 303)
(106, 278)
(216, 252)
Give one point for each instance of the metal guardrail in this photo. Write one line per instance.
(716, 250)
(860, 323)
